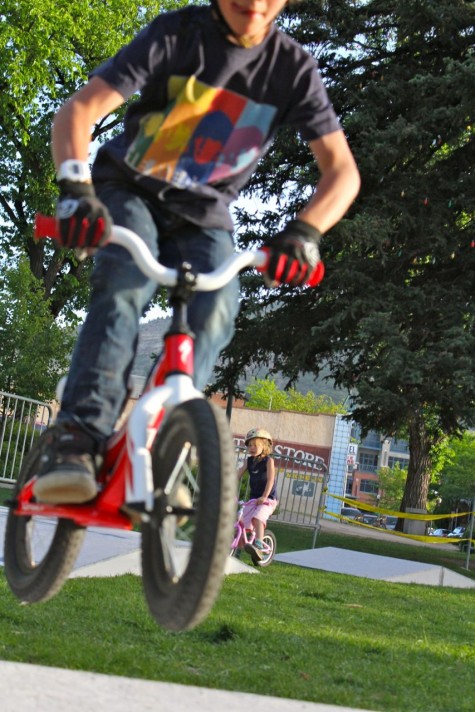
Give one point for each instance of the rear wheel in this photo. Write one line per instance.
(187, 541)
(40, 552)
(270, 543)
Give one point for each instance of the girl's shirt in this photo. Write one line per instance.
(257, 469)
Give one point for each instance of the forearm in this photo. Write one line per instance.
(339, 183)
(335, 192)
(73, 123)
(70, 134)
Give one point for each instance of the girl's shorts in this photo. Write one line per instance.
(261, 512)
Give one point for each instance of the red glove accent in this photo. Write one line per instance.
(83, 220)
(294, 254)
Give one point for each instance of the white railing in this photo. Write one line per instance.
(21, 421)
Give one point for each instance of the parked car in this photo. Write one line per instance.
(440, 532)
(391, 522)
(352, 513)
(370, 519)
(463, 534)
(457, 532)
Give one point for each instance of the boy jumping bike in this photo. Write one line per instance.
(211, 98)
(157, 471)
(215, 83)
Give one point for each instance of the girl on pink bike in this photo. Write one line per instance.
(263, 491)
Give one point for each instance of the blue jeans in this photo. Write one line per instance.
(97, 383)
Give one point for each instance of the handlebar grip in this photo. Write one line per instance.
(45, 226)
(314, 279)
(317, 275)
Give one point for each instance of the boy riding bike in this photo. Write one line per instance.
(215, 84)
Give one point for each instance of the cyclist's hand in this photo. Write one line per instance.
(83, 220)
(294, 255)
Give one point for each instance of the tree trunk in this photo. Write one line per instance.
(420, 467)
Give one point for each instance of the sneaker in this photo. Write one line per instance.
(259, 544)
(254, 553)
(67, 471)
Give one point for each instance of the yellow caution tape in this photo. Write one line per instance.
(402, 515)
(417, 537)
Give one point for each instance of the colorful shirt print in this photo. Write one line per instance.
(205, 135)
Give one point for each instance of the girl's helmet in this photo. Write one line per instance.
(258, 433)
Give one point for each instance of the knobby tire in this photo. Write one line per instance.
(177, 598)
(35, 579)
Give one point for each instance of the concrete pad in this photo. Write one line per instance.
(115, 552)
(383, 568)
(30, 688)
(131, 564)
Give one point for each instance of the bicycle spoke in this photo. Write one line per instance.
(181, 460)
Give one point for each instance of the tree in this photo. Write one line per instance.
(394, 316)
(457, 478)
(264, 394)
(391, 481)
(34, 348)
(47, 50)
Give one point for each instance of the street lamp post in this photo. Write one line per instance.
(470, 535)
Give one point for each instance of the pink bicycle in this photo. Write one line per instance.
(159, 472)
(245, 538)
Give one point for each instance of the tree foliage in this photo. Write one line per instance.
(264, 394)
(457, 478)
(394, 316)
(34, 348)
(47, 49)
(392, 481)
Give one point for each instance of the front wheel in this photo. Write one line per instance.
(40, 552)
(270, 548)
(186, 543)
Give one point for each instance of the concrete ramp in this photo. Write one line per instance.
(383, 568)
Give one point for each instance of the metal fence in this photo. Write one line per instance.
(21, 421)
(301, 489)
(301, 485)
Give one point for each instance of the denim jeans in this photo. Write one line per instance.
(96, 387)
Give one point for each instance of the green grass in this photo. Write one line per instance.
(5, 493)
(290, 632)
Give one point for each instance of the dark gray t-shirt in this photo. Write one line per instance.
(207, 111)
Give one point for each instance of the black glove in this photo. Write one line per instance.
(83, 220)
(294, 254)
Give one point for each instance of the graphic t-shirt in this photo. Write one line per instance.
(207, 111)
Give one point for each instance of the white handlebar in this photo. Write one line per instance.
(168, 277)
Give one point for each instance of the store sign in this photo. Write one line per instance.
(352, 455)
(311, 455)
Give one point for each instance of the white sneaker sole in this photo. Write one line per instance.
(65, 488)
